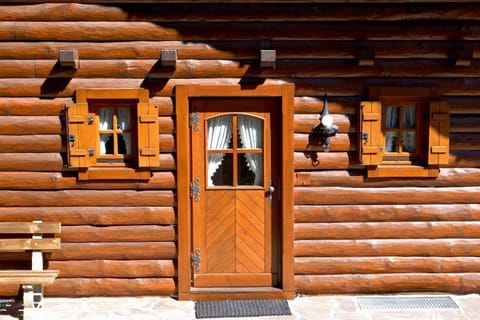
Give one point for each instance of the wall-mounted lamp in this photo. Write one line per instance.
(325, 129)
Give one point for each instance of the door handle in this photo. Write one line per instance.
(271, 190)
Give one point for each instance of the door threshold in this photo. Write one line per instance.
(238, 293)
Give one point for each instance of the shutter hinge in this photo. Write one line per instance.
(91, 152)
(195, 190)
(194, 119)
(195, 260)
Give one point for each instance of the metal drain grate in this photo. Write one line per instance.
(415, 302)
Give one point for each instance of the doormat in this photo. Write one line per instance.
(241, 308)
(413, 302)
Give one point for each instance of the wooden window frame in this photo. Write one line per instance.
(435, 136)
(184, 93)
(83, 134)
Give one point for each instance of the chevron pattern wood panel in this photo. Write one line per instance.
(220, 231)
(250, 226)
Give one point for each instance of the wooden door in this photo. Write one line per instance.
(234, 203)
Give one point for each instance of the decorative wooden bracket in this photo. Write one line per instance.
(461, 57)
(69, 59)
(365, 57)
(268, 58)
(168, 57)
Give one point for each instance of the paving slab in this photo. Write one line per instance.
(328, 307)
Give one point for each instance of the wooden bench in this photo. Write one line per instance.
(34, 238)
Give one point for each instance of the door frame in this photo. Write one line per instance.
(183, 94)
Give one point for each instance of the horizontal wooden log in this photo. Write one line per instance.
(189, 31)
(245, 49)
(245, 1)
(387, 230)
(60, 181)
(116, 251)
(60, 87)
(313, 160)
(32, 107)
(166, 124)
(167, 142)
(138, 233)
(31, 162)
(114, 268)
(464, 159)
(465, 141)
(108, 198)
(237, 12)
(448, 177)
(387, 283)
(31, 143)
(15, 125)
(387, 213)
(55, 162)
(101, 216)
(25, 106)
(365, 265)
(312, 142)
(81, 287)
(167, 161)
(464, 123)
(314, 105)
(413, 68)
(396, 247)
(43, 125)
(408, 195)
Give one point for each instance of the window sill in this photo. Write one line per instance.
(99, 173)
(402, 171)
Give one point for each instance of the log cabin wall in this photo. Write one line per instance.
(352, 234)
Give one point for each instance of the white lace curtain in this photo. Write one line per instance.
(408, 122)
(251, 133)
(123, 123)
(106, 123)
(219, 136)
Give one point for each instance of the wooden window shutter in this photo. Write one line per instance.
(439, 132)
(148, 141)
(371, 135)
(78, 131)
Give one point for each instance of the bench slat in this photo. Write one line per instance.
(19, 245)
(29, 227)
(27, 276)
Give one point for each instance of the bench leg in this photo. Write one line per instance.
(32, 301)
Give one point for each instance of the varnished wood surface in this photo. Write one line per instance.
(395, 282)
(281, 11)
(353, 234)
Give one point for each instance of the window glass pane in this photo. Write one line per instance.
(393, 115)
(124, 144)
(220, 169)
(409, 120)
(250, 131)
(250, 169)
(106, 143)
(408, 141)
(391, 141)
(219, 132)
(106, 118)
(123, 118)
